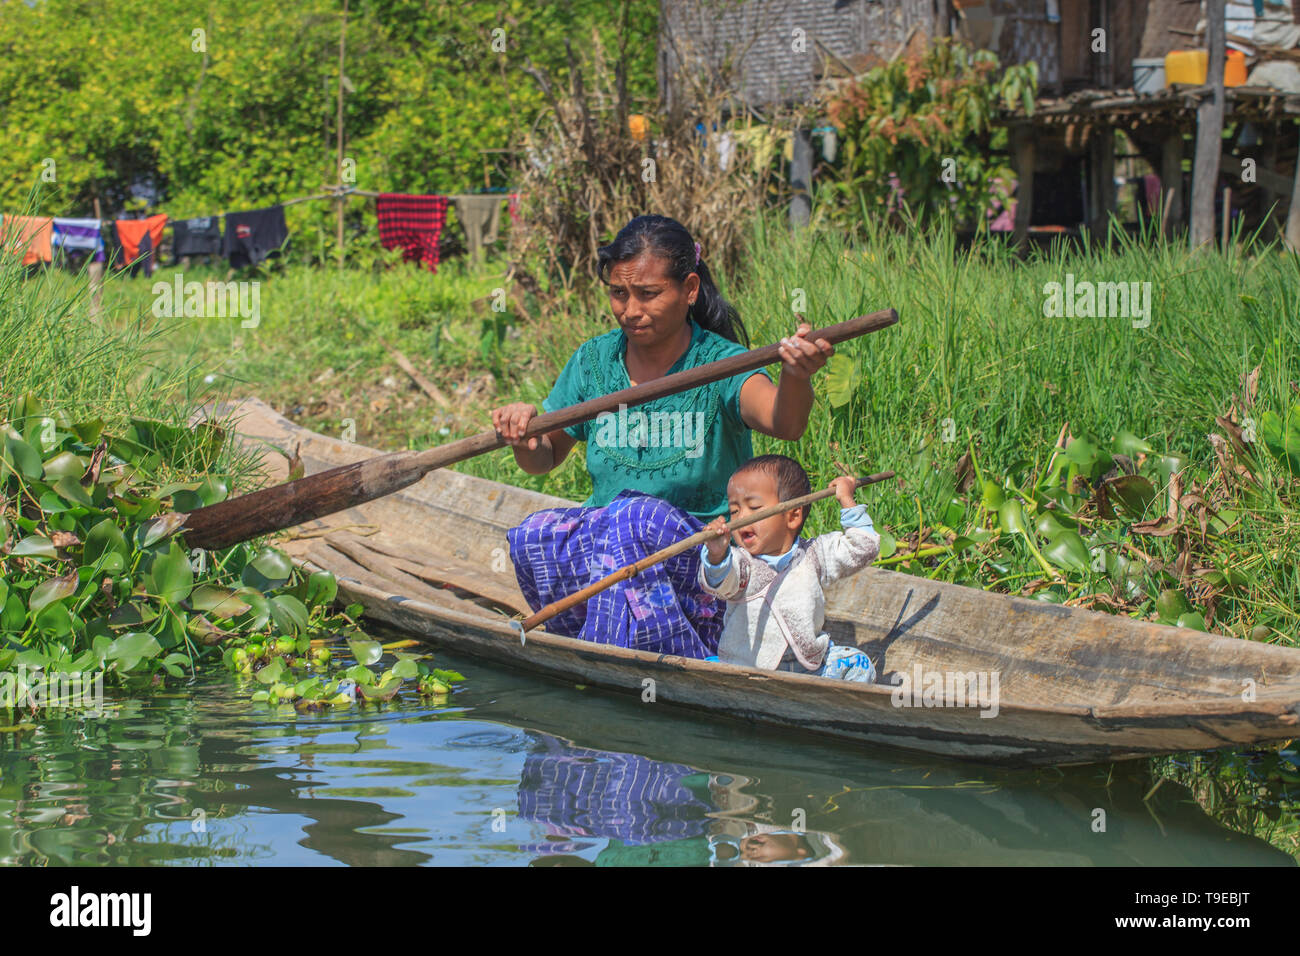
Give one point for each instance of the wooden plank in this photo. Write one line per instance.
(441, 569)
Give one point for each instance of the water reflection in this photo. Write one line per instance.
(528, 772)
(635, 811)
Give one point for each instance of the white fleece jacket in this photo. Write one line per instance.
(769, 611)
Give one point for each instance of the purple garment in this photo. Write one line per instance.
(79, 235)
(661, 610)
(581, 793)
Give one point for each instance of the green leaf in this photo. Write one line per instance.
(34, 546)
(209, 492)
(1126, 443)
(25, 458)
(54, 619)
(222, 602)
(14, 616)
(405, 669)
(170, 578)
(366, 652)
(259, 611)
(288, 613)
(1171, 604)
(65, 464)
(268, 570)
(1050, 524)
(322, 589)
(1134, 492)
(1012, 518)
(841, 379)
(360, 674)
(55, 589)
(1067, 550)
(156, 529)
(993, 497)
(1191, 620)
(129, 649)
(271, 672)
(106, 538)
(888, 545)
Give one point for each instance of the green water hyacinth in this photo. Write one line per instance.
(95, 572)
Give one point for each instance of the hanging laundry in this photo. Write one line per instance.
(414, 223)
(29, 236)
(140, 239)
(196, 237)
(79, 235)
(480, 217)
(253, 236)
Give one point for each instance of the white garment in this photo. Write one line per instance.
(768, 611)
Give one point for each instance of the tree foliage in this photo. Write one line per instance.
(233, 104)
(918, 131)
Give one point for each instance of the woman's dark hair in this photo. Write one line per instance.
(669, 240)
(791, 480)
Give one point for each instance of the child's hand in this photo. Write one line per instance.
(844, 488)
(718, 546)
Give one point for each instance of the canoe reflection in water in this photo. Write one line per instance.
(652, 813)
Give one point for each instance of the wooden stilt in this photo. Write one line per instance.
(1101, 148)
(1023, 158)
(1209, 133)
(1171, 181)
(801, 179)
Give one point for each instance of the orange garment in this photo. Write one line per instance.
(30, 236)
(131, 231)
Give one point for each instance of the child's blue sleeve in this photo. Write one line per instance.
(714, 574)
(856, 517)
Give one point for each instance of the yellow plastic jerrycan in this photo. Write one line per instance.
(1190, 66)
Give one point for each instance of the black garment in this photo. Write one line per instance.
(144, 257)
(196, 237)
(253, 236)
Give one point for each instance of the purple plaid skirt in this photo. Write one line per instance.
(662, 610)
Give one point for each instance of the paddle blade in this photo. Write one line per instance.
(283, 506)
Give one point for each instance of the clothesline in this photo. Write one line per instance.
(411, 222)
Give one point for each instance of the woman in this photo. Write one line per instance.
(659, 472)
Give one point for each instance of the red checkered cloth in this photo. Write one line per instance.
(414, 223)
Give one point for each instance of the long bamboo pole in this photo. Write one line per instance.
(695, 540)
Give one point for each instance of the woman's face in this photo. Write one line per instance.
(648, 303)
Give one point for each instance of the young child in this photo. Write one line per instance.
(772, 582)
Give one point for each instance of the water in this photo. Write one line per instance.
(525, 771)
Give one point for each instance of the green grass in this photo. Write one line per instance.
(973, 365)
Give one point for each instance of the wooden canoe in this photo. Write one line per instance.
(1075, 686)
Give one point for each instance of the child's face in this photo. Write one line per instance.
(750, 491)
(772, 848)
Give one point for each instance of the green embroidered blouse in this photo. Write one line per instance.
(681, 448)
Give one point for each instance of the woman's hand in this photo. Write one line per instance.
(511, 421)
(781, 410)
(844, 487)
(801, 358)
(719, 545)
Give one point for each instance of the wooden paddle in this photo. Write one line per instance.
(695, 540)
(283, 506)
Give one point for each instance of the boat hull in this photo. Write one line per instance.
(1072, 686)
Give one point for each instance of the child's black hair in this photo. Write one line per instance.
(791, 480)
